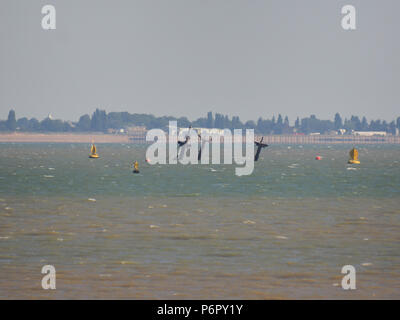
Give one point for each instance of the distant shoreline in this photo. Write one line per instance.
(63, 138)
(25, 137)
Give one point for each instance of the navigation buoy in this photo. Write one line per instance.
(353, 156)
(136, 167)
(318, 158)
(93, 152)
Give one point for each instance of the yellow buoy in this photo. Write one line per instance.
(93, 152)
(354, 156)
(136, 167)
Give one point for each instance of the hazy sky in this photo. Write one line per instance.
(185, 57)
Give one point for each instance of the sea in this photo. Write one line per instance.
(199, 231)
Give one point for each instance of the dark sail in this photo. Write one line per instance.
(259, 145)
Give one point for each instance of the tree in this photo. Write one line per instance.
(348, 125)
(377, 125)
(338, 121)
(219, 121)
(312, 124)
(99, 121)
(364, 124)
(115, 120)
(279, 125)
(279, 122)
(84, 123)
(227, 122)
(250, 124)
(11, 122)
(392, 127)
(286, 121)
(23, 124)
(210, 120)
(259, 127)
(52, 125)
(236, 123)
(34, 124)
(200, 122)
(356, 123)
(3, 126)
(184, 122)
(297, 123)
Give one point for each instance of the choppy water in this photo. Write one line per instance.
(177, 231)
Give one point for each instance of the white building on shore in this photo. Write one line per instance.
(370, 133)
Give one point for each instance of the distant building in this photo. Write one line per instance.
(288, 130)
(332, 133)
(210, 131)
(370, 133)
(136, 134)
(136, 129)
(115, 131)
(201, 131)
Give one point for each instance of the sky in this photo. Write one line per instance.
(249, 58)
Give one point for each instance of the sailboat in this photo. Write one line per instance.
(93, 152)
(354, 156)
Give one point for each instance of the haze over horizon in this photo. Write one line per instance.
(185, 58)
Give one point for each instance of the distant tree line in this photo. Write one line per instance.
(100, 121)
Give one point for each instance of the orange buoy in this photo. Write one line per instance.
(318, 158)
